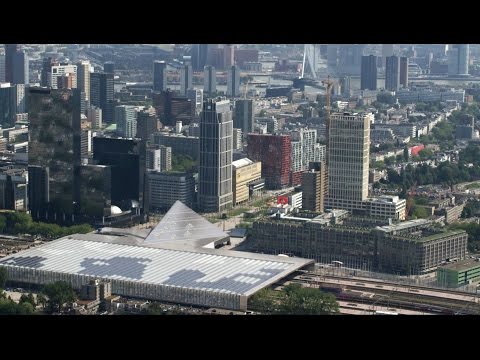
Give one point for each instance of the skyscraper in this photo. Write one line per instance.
(8, 105)
(215, 165)
(109, 67)
(45, 74)
(186, 78)
(159, 76)
(274, 152)
(196, 96)
(458, 59)
(16, 65)
(404, 71)
(209, 80)
(127, 159)
(229, 56)
(101, 94)
(147, 123)
(54, 153)
(2, 68)
(199, 56)
(369, 73)
(83, 78)
(20, 98)
(126, 120)
(392, 73)
(348, 157)
(233, 81)
(244, 112)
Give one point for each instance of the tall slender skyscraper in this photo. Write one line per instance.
(228, 56)
(83, 78)
(244, 111)
(233, 81)
(199, 56)
(8, 105)
(54, 153)
(215, 175)
(2, 68)
(16, 65)
(348, 158)
(101, 94)
(368, 78)
(186, 78)
(404, 71)
(209, 80)
(392, 73)
(159, 76)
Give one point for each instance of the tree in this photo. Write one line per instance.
(41, 299)
(405, 154)
(58, 294)
(3, 277)
(28, 299)
(308, 301)
(263, 301)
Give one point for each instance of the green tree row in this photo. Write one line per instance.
(21, 223)
(294, 300)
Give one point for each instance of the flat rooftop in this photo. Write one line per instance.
(462, 265)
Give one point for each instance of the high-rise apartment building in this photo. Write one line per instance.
(83, 78)
(404, 71)
(314, 188)
(244, 115)
(126, 120)
(61, 70)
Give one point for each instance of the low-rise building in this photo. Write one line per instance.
(245, 172)
(459, 273)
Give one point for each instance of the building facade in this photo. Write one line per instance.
(245, 172)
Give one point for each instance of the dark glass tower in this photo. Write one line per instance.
(54, 153)
(159, 76)
(368, 80)
(101, 94)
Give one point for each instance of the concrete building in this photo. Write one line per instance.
(126, 120)
(412, 95)
(244, 115)
(147, 123)
(180, 144)
(314, 189)
(392, 73)
(209, 80)
(348, 157)
(62, 70)
(165, 188)
(368, 79)
(274, 152)
(233, 81)
(245, 173)
(152, 159)
(159, 76)
(413, 247)
(215, 165)
(307, 139)
(237, 139)
(171, 108)
(20, 98)
(186, 78)
(2, 68)
(13, 189)
(229, 56)
(94, 116)
(196, 96)
(459, 273)
(165, 158)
